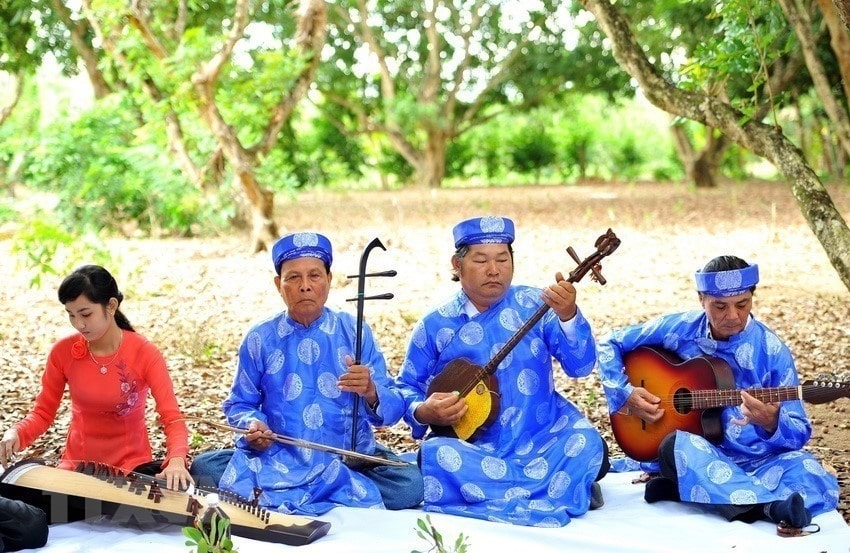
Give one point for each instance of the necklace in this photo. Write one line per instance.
(104, 365)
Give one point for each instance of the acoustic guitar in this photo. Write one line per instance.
(477, 384)
(693, 394)
(129, 494)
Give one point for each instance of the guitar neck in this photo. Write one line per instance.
(812, 393)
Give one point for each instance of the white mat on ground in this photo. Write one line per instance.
(625, 523)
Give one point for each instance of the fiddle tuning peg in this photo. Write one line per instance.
(596, 270)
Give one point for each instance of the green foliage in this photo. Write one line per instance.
(429, 533)
(44, 248)
(214, 541)
(108, 174)
(532, 149)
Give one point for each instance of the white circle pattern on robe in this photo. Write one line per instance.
(700, 443)
(419, 337)
(699, 495)
(524, 445)
(671, 341)
(359, 490)
(575, 445)
(681, 463)
(433, 489)
(718, 472)
(536, 468)
(814, 467)
(546, 446)
(772, 343)
(329, 325)
(517, 492)
(275, 362)
(308, 351)
(528, 382)
(443, 338)
(543, 505)
(472, 493)
(448, 458)
(605, 353)
(772, 477)
(284, 329)
(510, 417)
(538, 349)
(509, 319)
(293, 387)
(312, 416)
(559, 424)
(327, 383)
(280, 467)
(559, 484)
(529, 297)
(494, 468)
(254, 463)
(331, 474)
(254, 344)
(743, 497)
(471, 333)
(744, 357)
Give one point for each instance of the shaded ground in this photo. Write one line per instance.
(195, 298)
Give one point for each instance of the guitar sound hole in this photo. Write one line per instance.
(682, 401)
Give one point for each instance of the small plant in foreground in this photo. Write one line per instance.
(427, 532)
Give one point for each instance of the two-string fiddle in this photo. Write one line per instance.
(361, 276)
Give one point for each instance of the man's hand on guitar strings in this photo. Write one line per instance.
(645, 405)
(756, 412)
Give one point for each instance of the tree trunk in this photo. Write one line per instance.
(802, 25)
(78, 31)
(840, 41)
(700, 167)
(764, 140)
(434, 166)
(843, 7)
(264, 230)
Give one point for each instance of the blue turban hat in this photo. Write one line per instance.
(301, 244)
(722, 284)
(484, 230)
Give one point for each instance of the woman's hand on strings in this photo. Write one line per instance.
(176, 475)
(10, 445)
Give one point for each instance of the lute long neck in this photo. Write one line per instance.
(491, 366)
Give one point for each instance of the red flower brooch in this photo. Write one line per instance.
(79, 349)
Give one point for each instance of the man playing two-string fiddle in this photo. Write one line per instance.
(757, 470)
(539, 460)
(296, 376)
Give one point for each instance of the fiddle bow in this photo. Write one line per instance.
(479, 384)
(355, 461)
(297, 442)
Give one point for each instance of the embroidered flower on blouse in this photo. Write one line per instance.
(79, 349)
(128, 391)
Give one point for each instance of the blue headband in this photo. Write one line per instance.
(301, 244)
(484, 230)
(727, 283)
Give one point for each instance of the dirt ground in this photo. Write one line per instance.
(195, 298)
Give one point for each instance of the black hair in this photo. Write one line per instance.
(98, 286)
(461, 252)
(726, 263)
